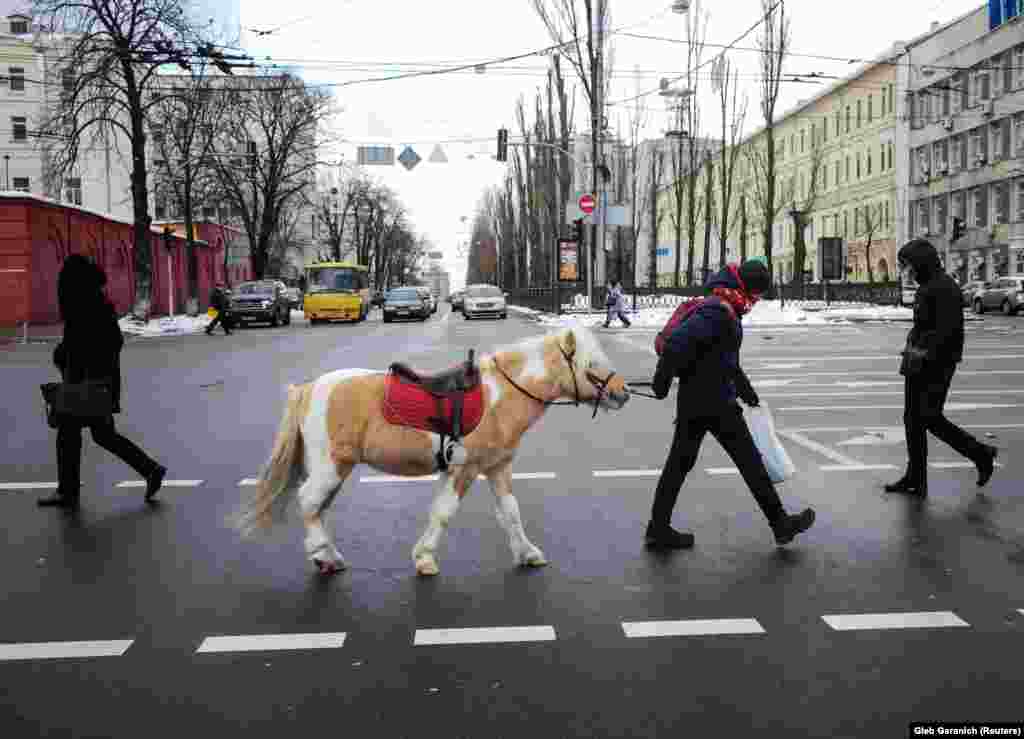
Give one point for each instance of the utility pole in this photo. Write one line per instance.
(596, 125)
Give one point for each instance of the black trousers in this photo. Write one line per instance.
(69, 453)
(924, 399)
(730, 430)
(224, 319)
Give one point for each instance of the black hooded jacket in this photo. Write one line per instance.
(92, 342)
(938, 311)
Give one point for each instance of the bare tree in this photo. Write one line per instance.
(657, 215)
(273, 133)
(867, 222)
(734, 111)
(709, 215)
(338, 192)
(802, 192)
(773, 44)
(111, 51)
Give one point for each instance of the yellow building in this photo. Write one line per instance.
(847, 132)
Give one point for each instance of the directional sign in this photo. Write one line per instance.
(409, 158)
(438, 156)
(587, 204)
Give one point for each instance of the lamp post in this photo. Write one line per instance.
(7, 171)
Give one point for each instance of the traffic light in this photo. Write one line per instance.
(577, 230)
(958, 229)
(502, 144)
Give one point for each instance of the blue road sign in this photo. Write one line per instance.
(409, 158)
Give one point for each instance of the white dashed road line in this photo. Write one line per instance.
(855, 467)
(398, 478)
(64, 649)
(270, 642)
(878, 621)
(28, 486)
(722, 471)
(248, 481)
(494, 635)
(166, 484)
(626, 473)
(950, 407)
(697, 627)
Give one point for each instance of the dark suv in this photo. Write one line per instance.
(261, 300)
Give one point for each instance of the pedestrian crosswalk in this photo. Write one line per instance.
(488, 635)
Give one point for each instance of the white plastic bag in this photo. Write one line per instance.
(780, 467)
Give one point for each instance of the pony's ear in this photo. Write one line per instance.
(570, 342)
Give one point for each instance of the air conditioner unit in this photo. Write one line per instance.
(947, 123)
(988, 108)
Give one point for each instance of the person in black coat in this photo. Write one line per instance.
(935, 345)
(219, 302)
(703, 352)
(91, 348)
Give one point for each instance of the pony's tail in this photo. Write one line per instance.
(284, 470)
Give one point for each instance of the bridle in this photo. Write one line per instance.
(570, 359)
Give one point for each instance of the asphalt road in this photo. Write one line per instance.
(734, 638)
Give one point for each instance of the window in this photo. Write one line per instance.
(869, 163)
(871, 102)
(160, 207)
(67, 80)
(1001, 139)
(924, 168)
(1019, 261)
(802, 140)
(837, 173)
(957, 154)
(19, 128)
(792, 144)
(978, 147)
(16, 75)
(980, 90)
(922, 215)
(847, 118)
(996, 67)
(19, 25)
(858, 114)
(858, 165)
(209, 213)
(940, 155)
(1018, 125)
(846, 224)
(979, 207)
(958, 205)
(824, 129)
(838, 116)
(892, 98)
(20, 183)
(73, 190)
(958, 93)
(941, 213)
(887, 214)
(1018, 63)
(1020, 199)
(847, 173)
(1001, 199)
(891, 150)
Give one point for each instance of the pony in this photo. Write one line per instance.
(336, 422)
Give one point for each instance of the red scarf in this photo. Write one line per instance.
(740, 299)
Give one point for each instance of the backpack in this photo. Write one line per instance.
(680, 315)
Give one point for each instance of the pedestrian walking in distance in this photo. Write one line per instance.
(616, 304)
(703, 352)
(91, 349)
(219, 302)
(934, 347)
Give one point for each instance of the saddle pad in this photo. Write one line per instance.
(408, 404)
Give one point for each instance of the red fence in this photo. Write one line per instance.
(36, 235)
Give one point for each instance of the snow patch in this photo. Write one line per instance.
(167, 326)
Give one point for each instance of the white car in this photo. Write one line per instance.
(484, 300)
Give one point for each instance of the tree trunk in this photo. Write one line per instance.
(708, 206)
(141, 236)
(743, 228)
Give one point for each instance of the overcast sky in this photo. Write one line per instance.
(351, 40)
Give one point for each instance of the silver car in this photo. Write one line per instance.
(969, 289)
(1004, 293)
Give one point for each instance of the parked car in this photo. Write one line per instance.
(405, 302)
(456, 299)
(484, 300)
(378, 299)
(294, 296)
(969, 290)
(261, 300)
(1004, 293)
(429, 298)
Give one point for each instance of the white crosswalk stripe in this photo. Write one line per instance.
(64, 649)
(696, 627)
(879, 621)
(493, 635)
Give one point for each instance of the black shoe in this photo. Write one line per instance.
(787, 527)
(986, 464)
(666, 537)
(58, 500)
(154, 481)
(908, 486)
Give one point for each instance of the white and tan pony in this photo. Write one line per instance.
(336, 422)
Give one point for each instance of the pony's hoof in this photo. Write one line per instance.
(327, 568)
(535, 558)
(427, 567)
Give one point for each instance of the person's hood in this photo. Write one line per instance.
(923, 258)
(727, 277)
(728, 285)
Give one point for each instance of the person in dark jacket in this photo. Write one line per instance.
(934, 346)
(703, 352)
(219, 302)
(91, 348)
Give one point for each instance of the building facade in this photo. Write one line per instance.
(964, 129)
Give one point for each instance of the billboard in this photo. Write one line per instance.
(568, 260)
(830, 252)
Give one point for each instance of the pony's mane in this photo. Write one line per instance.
(588, 348)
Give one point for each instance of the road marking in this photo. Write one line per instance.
(493, 635)
(923, 620)
(838, 429)
(532, 476)
(64, 649)
(821, 449)
(249, 481)
(398, 478)
(956, 465)
(166, 484)
(855, 467)
(28, 486)
(875, 357)
(722, 471)
(864, 394)
(694, 627)
(271, 642)
(948, 408)
(872, 373)
(626, 473)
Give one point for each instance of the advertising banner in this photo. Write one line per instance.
(568, 260)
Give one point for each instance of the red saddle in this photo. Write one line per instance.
(449, 403)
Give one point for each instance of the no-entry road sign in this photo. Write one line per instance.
(587, 204)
